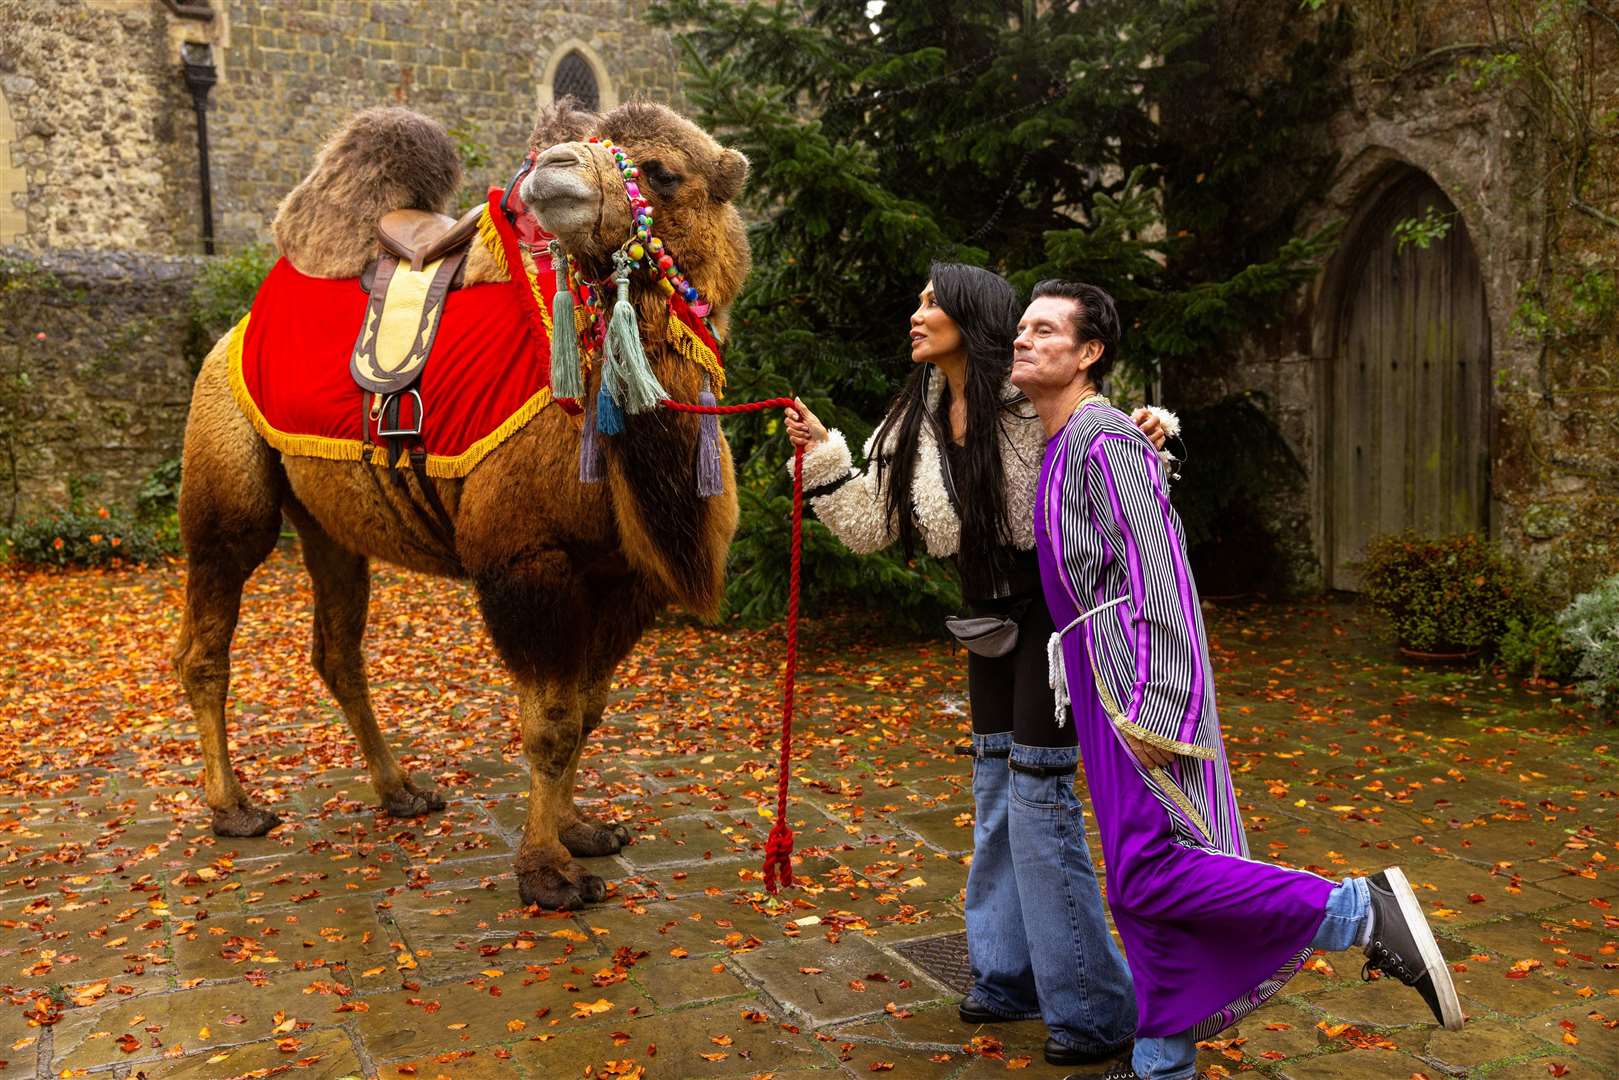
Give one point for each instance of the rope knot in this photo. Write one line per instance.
(779, 855)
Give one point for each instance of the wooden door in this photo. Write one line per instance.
(1405, 410)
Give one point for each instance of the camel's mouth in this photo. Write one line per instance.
(563, 191)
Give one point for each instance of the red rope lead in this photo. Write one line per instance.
(779, 845)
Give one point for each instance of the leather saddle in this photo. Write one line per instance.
(423, 256)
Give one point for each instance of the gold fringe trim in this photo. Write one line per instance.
(490, 237)
(491, 240)
(686, 342)
(320, 446)
(1166, 783)
(463, 463)
(1136, 731)
(317, 446)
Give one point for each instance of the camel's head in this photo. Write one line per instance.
(578, 192)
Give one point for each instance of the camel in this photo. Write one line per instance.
(567, 575)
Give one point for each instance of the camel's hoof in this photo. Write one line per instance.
(593, 889)
(586, 839)
(550, 889)
(412, 801)
(244, 820)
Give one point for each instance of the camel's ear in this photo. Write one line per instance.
(730, 171)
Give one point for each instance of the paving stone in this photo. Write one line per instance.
(1568, 953)
(409, 1024)
(338, 871)
(863, 1059)
(1275, 1033)
(456, 1065)
(449, 930)
(939, 1028)
(195, 1019)
(1579, 883)
(681, 1039)
(1382, 1003)
(1352, 1065)
(317, 1055)
(1446, 888)
(339, 935)
(1589, 1023)
(825, 995)
(672, 983)
(1480, 1042)
(698, 927)
(19, 1045)
(1486, 987)
(83, 938)
(944, 828)
(1553, 1064)
(1030, 1062)
(692, 838)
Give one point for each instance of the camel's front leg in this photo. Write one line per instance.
(585, 836)
(552, 720)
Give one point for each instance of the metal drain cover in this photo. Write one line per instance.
(944, 958)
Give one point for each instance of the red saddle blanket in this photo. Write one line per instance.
(487, 376)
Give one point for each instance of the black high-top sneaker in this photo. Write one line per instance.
(1404, 948)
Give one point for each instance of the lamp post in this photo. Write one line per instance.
(197, 65)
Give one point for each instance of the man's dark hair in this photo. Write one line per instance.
(1096, 318)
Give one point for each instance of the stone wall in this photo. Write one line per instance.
(1414, 98)
(101, 125)
(294, 71)
(97, 356)
(99, 177)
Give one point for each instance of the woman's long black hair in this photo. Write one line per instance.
(986, 309)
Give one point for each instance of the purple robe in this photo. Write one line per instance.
(1209, 933)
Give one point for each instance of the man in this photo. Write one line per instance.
(1209, 934)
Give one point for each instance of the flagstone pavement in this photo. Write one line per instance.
(135, 944)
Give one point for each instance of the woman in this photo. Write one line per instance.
(954, 464)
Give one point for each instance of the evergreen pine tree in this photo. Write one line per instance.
(1021, 135)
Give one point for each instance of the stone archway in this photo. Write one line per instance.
(1404, 404)
(571, 62)
(13, 182)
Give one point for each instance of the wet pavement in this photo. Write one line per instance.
(133, 943)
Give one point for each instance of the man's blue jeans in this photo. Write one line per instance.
(1031, 882)
(1174, 1057)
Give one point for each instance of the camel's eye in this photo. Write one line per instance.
(663, 180)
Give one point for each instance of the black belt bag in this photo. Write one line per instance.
(988, 635)
(984, 635)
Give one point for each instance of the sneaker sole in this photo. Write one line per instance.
(1450, 1009)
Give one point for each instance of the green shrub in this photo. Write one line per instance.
(1444, 595)
(1591, 625)
(79, 537)
(226, 286)
(157, 504)
(1534, 646)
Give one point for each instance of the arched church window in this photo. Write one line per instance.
(574, 77)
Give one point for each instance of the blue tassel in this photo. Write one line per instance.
(609, 417)
(710, 476)
(637, 387)
(564, 336)
(590, 452)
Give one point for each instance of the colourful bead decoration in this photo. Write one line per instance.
(643, 245)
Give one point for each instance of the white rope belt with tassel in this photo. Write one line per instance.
(1057, 674)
